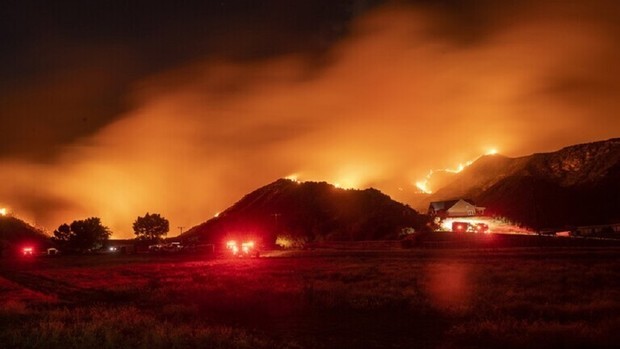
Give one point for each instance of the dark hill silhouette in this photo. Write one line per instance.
(15, 233)
(577, 185)
(313, 211)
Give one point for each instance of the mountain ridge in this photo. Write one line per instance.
(578, 184)
(311, 211)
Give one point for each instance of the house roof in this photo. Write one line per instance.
(445, 205)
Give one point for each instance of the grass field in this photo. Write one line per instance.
(509, 298)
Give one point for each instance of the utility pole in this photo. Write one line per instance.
(275, 217)
(180, 230)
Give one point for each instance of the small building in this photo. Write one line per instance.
(454, 208)
(126, 249)
(602, 230)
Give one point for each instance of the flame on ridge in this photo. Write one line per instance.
(423, 185)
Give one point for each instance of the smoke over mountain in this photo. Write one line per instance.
(405, 89)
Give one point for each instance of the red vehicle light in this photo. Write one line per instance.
(247, 248)
(232, 246)
(459, 226)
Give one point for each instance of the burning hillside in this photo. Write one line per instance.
(310, 211)
(576, 185)
(15, 234)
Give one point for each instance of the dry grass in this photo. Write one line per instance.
(544, 298)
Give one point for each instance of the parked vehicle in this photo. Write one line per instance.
(245, 249)
(462, 227)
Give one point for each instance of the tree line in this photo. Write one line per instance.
(90, 234)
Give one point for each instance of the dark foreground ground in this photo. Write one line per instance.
(540, 297)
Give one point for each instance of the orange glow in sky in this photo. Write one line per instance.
(386, 102)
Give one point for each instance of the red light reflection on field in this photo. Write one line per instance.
(449, 286)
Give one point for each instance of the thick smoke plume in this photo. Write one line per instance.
(390, 101)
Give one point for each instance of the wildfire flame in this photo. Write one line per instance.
(294, 177)
(423, 185)
(3, 211)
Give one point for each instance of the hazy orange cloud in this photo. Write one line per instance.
(390, 102)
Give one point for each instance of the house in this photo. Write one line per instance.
(454, 208)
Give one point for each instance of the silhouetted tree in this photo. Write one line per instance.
(62, 236)
(82, 235)
(151, 227)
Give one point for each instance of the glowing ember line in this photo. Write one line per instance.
(423, 185)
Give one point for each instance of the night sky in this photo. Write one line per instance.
(116, 108)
